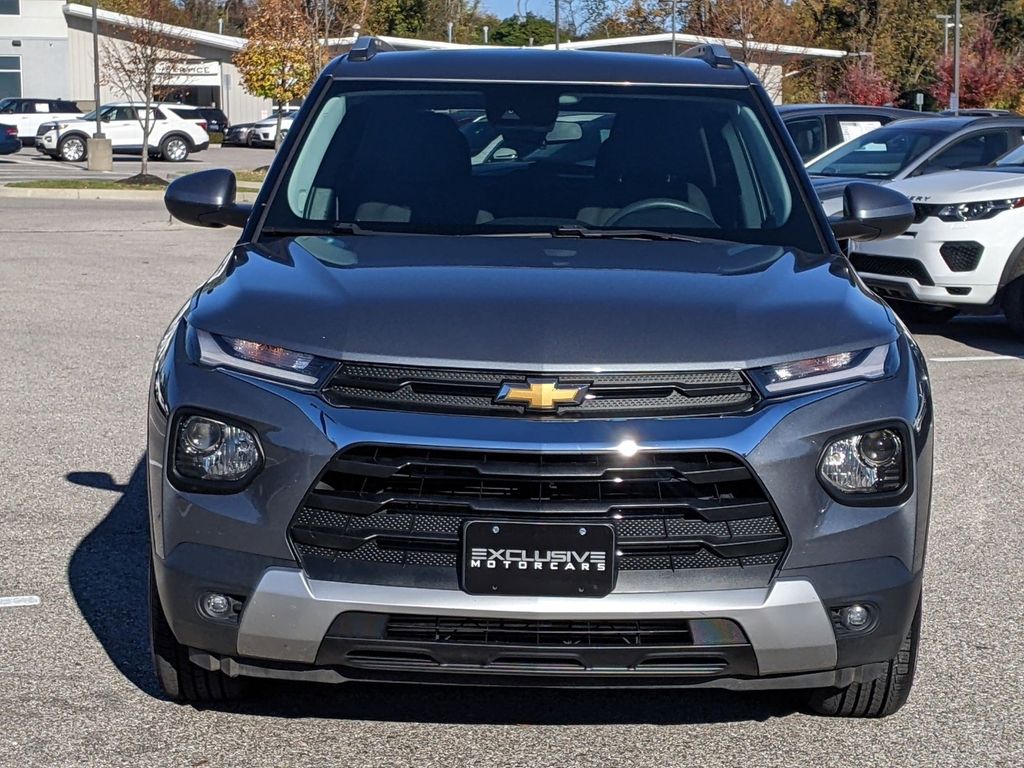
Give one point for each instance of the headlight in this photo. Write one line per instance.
(828, 370)
(261, 359)
(978, 211)
(212, 451)
(870, 462)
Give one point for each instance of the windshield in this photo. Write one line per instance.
(1014, 158)
(470, 159)
(879, 154)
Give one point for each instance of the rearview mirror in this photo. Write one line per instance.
(872, 212)
(206, 199)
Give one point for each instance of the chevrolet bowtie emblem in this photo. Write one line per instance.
(541, 394)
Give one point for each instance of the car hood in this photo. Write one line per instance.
(963, 186)
(541, 304)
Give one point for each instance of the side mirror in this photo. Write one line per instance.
(872, 212)
(206, 199)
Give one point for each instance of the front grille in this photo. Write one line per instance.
(891, 265)
(405, 507)
(450, 390)
(442, 629)
(961, 256)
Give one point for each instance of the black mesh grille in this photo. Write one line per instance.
(406, 506)
(442, 629)
(891, 265)
(961, 256)
(449, 390)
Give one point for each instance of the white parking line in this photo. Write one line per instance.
(973, 359)
(19, 600)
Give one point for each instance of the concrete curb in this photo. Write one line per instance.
(244, 195)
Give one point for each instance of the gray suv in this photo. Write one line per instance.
(615, 416)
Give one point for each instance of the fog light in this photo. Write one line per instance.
(855, 617)
(214, 605)
(213, 451)
(871, 462)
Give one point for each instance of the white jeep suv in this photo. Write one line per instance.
(965, 248)
(171, 137)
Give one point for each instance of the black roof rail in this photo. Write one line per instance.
(714, 54)
(368, 46)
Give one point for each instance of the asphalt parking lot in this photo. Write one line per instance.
(31, 164)
(86, 288)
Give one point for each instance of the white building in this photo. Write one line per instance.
(46, 51)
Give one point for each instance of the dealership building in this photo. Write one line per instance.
(46, 51)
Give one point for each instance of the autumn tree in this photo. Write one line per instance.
(989, 75)
(138, 53)
(863, 83)
(282, 56)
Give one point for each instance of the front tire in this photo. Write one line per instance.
(881, 696)
(72, 149)
(1013, 305)
(179, 678)
(174, 149)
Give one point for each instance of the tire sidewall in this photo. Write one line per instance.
(67, 141)
(166, 144)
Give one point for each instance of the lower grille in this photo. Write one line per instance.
(961, 256)
(405, 507)
(891, 265)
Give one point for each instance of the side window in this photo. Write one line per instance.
(40, 106)
(809, 136)
(971, 152)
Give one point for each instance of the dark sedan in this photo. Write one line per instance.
(239, 135)
(9, 142)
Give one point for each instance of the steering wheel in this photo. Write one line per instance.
(656, 204)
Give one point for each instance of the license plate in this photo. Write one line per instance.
(538, 559)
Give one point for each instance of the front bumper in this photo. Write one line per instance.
(999, 238)
(238, 544)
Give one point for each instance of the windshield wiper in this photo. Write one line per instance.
(624, 234)
(338, 228)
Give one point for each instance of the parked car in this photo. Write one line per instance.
(9, 141)
(172, 138)
(246, 134)
(210, 119)
(965, 249)
(620, 421)
(911, 148)
(816, 128)
(264, 133)
(28, 114)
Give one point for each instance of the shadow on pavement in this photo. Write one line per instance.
(108, 574)
(988, 333)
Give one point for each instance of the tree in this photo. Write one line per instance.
(517, 30)
(863, 83)
(282, 56)
(989, 75)
(139, 52)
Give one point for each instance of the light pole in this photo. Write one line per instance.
(557, 36)
(944, 18)
(99, 151)
(954, 97)
(674, 2)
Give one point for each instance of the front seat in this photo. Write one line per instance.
(646, 157)
(411, 167)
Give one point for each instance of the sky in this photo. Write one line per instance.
(505, 8)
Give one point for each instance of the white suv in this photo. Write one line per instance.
(171, 137)
(965, 248)
(28, 114)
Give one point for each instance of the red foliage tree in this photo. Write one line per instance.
(989, 75)
(864, 83)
